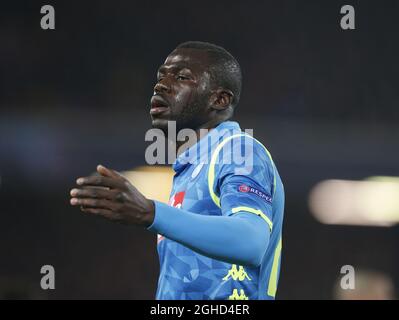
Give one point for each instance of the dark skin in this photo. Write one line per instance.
(183, 93)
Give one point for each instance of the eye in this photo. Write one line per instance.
(181, 77)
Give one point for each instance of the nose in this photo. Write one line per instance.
(161, 87)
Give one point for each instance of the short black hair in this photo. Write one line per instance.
(225, 70)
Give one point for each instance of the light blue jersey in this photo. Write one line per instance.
(224, 173)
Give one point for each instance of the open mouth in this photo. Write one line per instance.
(158, 105)
(158, 110)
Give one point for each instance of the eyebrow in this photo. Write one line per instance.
(164, 68)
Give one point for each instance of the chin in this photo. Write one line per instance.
(161, 124)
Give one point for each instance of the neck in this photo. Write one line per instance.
(199, 133)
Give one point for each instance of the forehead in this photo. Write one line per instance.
(194, 59)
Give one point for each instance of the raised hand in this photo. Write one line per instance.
(113, 197)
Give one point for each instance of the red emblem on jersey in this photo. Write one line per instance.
(243, 188)
(177, 199)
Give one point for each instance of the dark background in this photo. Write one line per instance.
(324, 101)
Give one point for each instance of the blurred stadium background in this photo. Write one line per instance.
(325, 102)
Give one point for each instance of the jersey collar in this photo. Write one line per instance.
(203, 148)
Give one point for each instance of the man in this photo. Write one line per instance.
(220, 235)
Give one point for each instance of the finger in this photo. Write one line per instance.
(101, 181)
(94, 192)
(108, 172)
(94, 203)
(101, 212)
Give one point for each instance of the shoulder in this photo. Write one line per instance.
(238, 149)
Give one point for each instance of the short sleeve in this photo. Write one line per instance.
(245, 178)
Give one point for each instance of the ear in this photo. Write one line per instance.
(221, 99)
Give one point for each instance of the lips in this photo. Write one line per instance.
(158, 105)
(158, 110)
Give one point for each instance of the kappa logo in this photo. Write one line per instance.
(236, 296)
(237, 274)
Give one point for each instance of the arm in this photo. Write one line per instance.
(240, 239)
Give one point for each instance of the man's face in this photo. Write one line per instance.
(182, 91)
